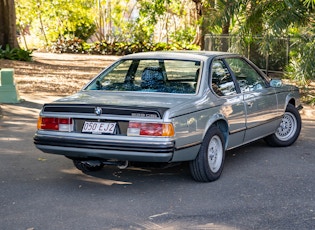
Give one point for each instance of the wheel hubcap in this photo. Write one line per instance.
(215, 153)
(287, 127)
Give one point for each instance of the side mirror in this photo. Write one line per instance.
(275, 83)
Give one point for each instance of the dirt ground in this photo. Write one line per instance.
(56, 75)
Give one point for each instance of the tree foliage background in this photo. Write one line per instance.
(110, 26)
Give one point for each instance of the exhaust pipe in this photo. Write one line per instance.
(92, 163)
(123, 166)
(119, 164)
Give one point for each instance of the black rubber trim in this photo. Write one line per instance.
(106, 109)
(90, 144)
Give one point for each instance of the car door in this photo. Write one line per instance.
(260, 99)
(233, 108)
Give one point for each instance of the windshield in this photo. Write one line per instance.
(153, 75)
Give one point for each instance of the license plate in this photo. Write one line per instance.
(98, 127)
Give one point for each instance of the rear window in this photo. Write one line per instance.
(165, 76)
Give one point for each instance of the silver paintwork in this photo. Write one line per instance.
(242, 118)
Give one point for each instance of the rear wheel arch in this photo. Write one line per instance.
(292, 102)
(223, 126)
(208, 164)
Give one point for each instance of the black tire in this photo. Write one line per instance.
(88, 166)
(209, 162)
(288, 130)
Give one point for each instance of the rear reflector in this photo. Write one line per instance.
(150, 129)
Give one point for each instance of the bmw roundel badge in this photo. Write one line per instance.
(98, 111)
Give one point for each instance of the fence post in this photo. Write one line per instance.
(8, 91)
(288, 51)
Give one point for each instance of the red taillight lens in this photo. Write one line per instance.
(66, 121)
(150, 129)
(48, 123)
(54, 123)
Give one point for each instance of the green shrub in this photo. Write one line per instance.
(83, 30)
(301, 66)
(15, 54)
(67, 45)
(75, 45)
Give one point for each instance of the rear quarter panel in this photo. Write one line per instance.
(287, 94)
(191, 122)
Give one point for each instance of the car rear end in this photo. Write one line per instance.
(106, 132)
(137, 109)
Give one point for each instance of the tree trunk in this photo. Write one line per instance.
(225, 36)
(8, 24)
(199, 30)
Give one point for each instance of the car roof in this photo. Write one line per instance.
(198, 55)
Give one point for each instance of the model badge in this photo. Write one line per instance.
(98, 111)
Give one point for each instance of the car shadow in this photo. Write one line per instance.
(23, 110)
(179, 173)
(142, 173)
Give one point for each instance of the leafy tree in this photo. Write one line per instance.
(56, 18)
(310, 3)
(115, 20)
(275, 17)
(301, 66)
(149, 14)
(167, 21)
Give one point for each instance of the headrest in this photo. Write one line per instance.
(152, 77)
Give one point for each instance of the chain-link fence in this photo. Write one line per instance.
(270, 55)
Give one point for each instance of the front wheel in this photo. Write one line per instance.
(288, 130)
(208, 164)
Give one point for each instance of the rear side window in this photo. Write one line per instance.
(150, 75)
(221, 80)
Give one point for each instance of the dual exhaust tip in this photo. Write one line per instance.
(98, 163)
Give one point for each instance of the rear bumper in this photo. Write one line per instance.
(79, 147)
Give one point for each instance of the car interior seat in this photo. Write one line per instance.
(152, 78)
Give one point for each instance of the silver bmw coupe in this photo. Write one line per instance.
(167, 107)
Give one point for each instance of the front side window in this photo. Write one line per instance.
(246, 76)
(151, 75)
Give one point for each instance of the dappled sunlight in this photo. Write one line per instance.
(56, 74)
(308, 112)
(212, 226)
(138, 169)
(10, 139)
(168, 220)
(9, 151)
(22, 110)
(72, 171)
(182, 224)
(101, 181)
(111, 175)
(91, 179)
(308, 127)
(40, 99)
(19, 118)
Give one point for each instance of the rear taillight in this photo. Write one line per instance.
(55, 123)
(150, 129)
